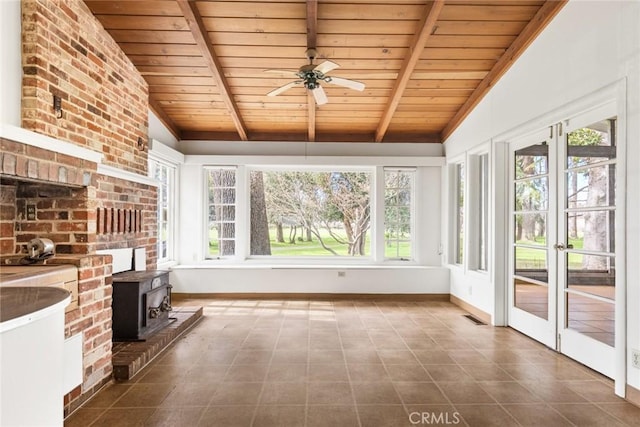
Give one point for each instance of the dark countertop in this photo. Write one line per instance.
(21, 301)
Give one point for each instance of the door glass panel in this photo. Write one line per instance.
(591, 187)
(530, 290)
(531, 194)
(591, 144)
(531, 297)
(531, 229)
(591, 317)
(532, 161)
(591, 274)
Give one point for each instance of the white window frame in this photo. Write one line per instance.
(171, 160)
(477, 209)
(412, 212)
(458, 232)
(239, 196)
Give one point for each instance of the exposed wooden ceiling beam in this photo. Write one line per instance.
(544, 15)
(312, 33)
(164, 118)
(311, 108)
(199, 31)
(409, 64)
(312, 23)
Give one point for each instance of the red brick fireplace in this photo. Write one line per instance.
(82, 203)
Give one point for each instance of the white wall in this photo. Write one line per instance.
(159, 132)
(590, 45)
(11, 63)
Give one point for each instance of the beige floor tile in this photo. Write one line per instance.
(329, 393)
(465, 393)
(334, 372)
(587, 414)
(175, 417)
(594, 390)
(206, 374)
(107, 396)
(484, 372)
(253, 357)
(508, 392)
(279, 416)
(536, 414)
(367, 372)
(408, 372)
(247, 373)
(419, 393)
(624, 411)
(434, 357)
(116, 417)
(290, 356)
(375, 393)
(396, 357)
(447, 373)
(184, 394)
(144, 395)
(83, 417)
(326, 356)
(284, 393)
(228, 416)
(237, 394)
(312, 361)
(383, 416)
(287, 372)
(486, 415)
(362, 356)
(332, 416)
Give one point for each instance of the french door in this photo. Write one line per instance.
(563, 258)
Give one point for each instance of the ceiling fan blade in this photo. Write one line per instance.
(320, 95)
(283, 88)
(351, 84)
(326, 66)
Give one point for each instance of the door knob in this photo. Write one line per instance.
(559, 246)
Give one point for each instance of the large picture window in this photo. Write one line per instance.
(398, 213)
(221, 202)
(310, 213)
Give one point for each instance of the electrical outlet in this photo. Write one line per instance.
(635, 358)
(31, 213)
(342, 273)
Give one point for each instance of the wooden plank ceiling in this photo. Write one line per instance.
(425, 64)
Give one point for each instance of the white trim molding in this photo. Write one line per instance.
(126, 175)
(24, 136)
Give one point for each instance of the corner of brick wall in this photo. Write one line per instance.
(67, 53)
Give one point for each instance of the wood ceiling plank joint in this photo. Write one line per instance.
(196, 25)
(417, 47)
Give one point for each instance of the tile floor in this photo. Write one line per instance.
(354, 363)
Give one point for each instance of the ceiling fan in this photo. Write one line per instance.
(311, 75)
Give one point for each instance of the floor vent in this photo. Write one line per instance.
(474, 319)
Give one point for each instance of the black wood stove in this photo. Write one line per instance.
(141, 304)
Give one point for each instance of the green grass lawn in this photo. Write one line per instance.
(312, 248)
(535, 258)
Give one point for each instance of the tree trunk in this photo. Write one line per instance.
(292, 234)
(308, 230)
(596, 224)
(279, 233)
(260, 244)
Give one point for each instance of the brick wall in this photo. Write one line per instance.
(66, 52)
(126, 216)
